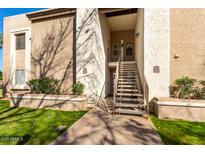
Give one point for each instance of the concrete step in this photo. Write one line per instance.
(129, 72)
(127, 80)
(127, 90)
(129, 94)
(129, 111)
(129, 99)
(127, 105)
(128, 67)
(134, 86)
(127, 77)
(128, 62)
(125, 83)
(123, 74)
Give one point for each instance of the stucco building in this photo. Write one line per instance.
(149, 47)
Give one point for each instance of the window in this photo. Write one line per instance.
(129, 49)
(20, 41)
(20, 77)
(115, 49)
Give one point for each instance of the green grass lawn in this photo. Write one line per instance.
(179, 131)
(29, 126)
(0, 92)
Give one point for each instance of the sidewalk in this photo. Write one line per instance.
(99, 127)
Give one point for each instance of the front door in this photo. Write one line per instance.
(125, 50)
(128, 51)
(112, 77)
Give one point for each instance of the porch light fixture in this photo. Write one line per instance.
(137, 35)
(176, 56)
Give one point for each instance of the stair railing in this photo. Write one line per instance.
(116, 83)
(146, 94)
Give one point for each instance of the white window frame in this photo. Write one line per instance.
(27, 31)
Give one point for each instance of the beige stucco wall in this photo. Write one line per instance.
(187, 42)
(139, 44)
(171, 108)
(157, 50)
(11, 23)
(127, 36)
(51, 54)
(53, 102)
(91, 55)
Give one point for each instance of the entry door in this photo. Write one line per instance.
(118, 50)
(128, 51)
(112, 77)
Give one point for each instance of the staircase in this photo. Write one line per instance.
(129, 97)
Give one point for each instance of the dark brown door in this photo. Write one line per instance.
(112, 76)
(129, 51)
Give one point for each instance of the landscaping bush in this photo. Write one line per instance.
(202, 89)
(78, 88)
(1, 75)
(47, 85)
(184, 87)
(188, 88)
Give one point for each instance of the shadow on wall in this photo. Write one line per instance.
(52, 55)
(67, 104)
(90, 55)
(49, 56)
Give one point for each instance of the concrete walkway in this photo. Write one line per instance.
(99, 127)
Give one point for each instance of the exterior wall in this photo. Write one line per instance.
(169, 108)
(127, 36)
(187, 42)
(53, 102)
(52, 53)
(106, 34)
(157, 51)
(139, 44)
(51, 50)
(10, 24)
(90, 54)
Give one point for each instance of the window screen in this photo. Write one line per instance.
(20, 41)
(20, 77)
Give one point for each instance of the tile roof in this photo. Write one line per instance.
(53, 12)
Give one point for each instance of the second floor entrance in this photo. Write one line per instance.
(122, 44)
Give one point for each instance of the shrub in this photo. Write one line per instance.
(78, 88)
(47, 85)
(185, 88)
(189, 88)
(1, 75)
(202, 89)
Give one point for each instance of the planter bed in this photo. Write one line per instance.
(55, 102)
(171, 108)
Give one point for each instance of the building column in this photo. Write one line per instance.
(157, 51)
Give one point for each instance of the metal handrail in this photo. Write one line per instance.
(146, 94)
(116, 83)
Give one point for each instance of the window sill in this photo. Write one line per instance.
(20, 87)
